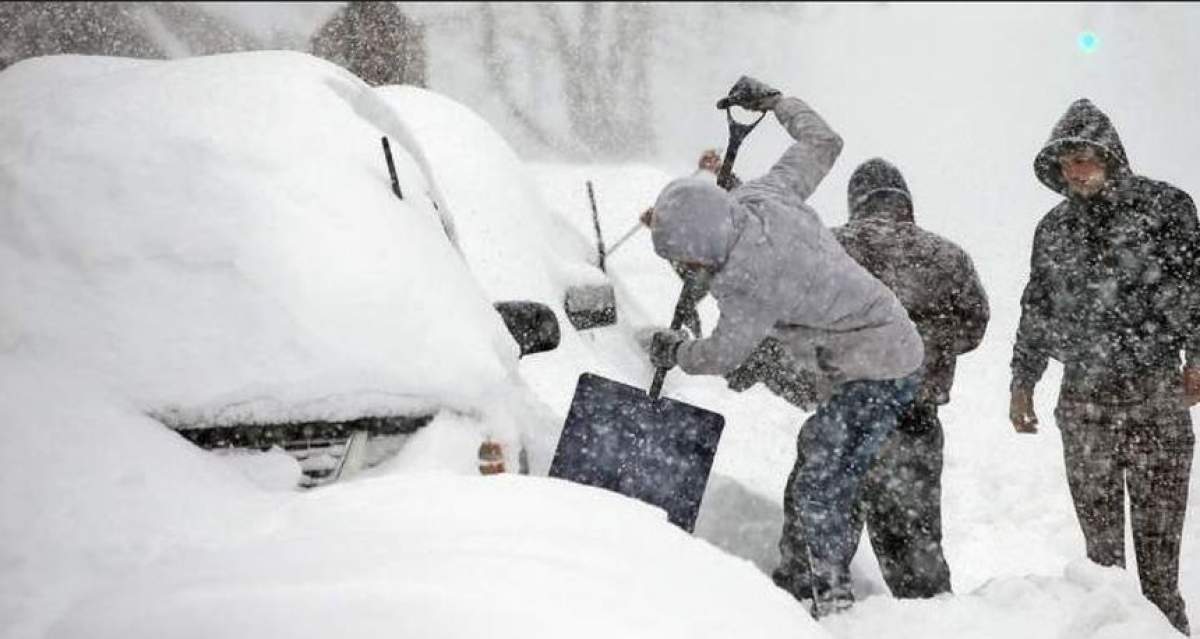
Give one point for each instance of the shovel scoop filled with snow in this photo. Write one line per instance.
(591, 306)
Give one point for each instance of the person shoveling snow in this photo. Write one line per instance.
(777, 273)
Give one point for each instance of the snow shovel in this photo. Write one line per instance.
(591, 306)
(595, 305)
(652, 448)
(737, 133)
(637, 226)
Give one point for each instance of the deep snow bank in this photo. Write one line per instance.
(441, 556)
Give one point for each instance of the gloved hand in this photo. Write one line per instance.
(751, 94)
(710, 161)
(663, 346)
(1191, 385)
(1020, 411)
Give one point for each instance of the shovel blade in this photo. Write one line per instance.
(657, 450)
(591, 306)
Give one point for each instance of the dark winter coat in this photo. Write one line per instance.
(1114, 284)
(934, 278)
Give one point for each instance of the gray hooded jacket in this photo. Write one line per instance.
(780, 272)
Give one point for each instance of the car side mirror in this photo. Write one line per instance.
(533, 325)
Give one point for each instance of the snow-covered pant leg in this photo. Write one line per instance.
(792, 574)
(1160, 459)
(1091, 451)
(835, 449)
(901, 503)
(1147, 448)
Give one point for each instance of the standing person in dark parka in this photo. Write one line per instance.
(1114, 294)
(777, 273)
(937, 284)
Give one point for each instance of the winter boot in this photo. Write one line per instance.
(832, 590)
(795, 581)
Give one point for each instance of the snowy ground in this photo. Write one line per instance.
(141, 274)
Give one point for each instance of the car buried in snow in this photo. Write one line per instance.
(216, 238)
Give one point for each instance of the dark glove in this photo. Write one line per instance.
(751, 94)
(664, 345)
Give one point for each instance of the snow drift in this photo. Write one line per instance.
(447, 557)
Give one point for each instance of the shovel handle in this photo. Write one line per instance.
(737, 133)
(660, 374)
(596, 223)
(637, 226)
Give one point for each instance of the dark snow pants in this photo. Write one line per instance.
(1145, 448)
(901, 504)
(835, 449)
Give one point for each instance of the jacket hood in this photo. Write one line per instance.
(873, 177)
(695, 221)
(1082, 124)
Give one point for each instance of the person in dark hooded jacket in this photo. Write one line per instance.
(900, 500)
(777, 273)
(1114, 295)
